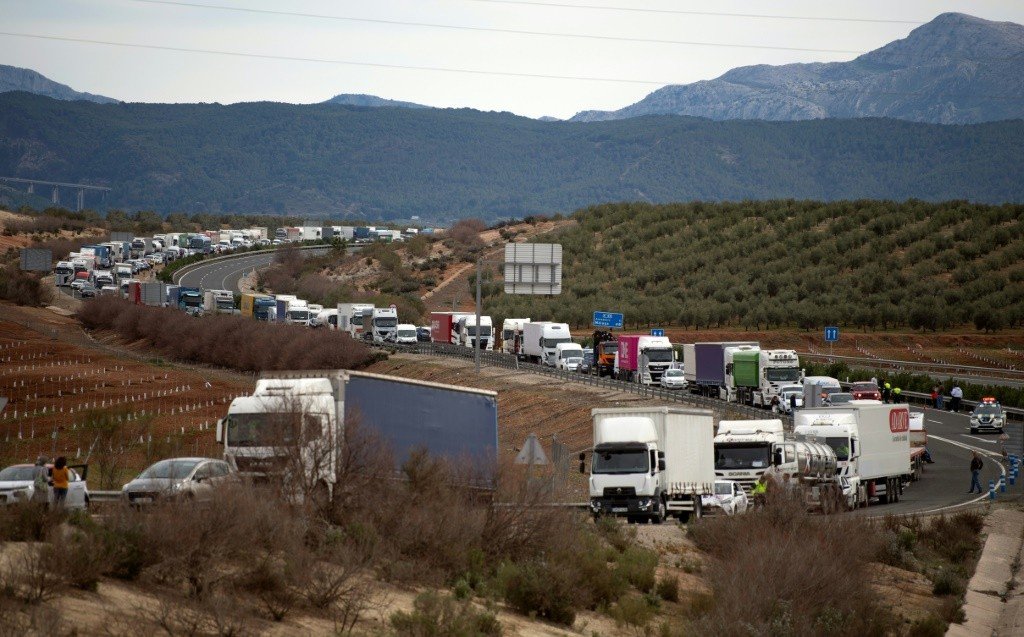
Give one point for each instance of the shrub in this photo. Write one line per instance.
(633, 610)
(637, 566)
(668, 588)
(930, 626)
(539, 590)
(947, 582)
(436, 615)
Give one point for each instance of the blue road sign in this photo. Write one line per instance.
(657, 332)
(607, 319)
(831, 334)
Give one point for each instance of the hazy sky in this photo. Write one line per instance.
(146, 75)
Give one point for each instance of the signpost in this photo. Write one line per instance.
(831, 336)
(657, 332)
(608, 319)
(36, 259)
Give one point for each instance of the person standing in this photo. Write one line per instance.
(40, 482)
(976, 465)
(886, 392)
(896, 395)
(935, 397)
(939, 399)
(60, 477)
(958, 395)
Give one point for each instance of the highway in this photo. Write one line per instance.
(225, 274)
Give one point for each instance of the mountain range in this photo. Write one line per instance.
(13, 78)
(956, 69)
(330, 160)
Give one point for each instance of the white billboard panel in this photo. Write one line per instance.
(533, 268)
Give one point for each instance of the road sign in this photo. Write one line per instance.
(533, 268)
(657, 332)
(608, 319)
(532, 453)
(36, 259)
(831, 334)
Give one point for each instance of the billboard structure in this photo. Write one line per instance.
(533, 268)
(121, 237)
(36, 260)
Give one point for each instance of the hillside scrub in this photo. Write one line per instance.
(23, 288)
(226, 341)
(764, 264)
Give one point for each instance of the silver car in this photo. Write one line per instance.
(180, 478)
(674, 379)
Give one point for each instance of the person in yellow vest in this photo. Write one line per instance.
(758, 493)
(896, 395)
(59, 478)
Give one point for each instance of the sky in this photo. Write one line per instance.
(629, 48)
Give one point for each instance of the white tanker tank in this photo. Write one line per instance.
(811, 467)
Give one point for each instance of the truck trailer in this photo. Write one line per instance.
(296, 423)
(540, 339)
(355, 318)
(871, 442)
(651, 462)
(642, 358)
(705, 366)
(444, 326)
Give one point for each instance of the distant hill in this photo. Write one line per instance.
(13, 78)
(351, 99)
(957, 69)
(444, 164)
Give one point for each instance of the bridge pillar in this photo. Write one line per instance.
(81, 199)
(31, 188)
(55, 198)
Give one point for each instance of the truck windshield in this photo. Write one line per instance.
(192, 300)
(784, 375)
(841, 445)
(259, 430)
(609, 348)
(226, 304)
(553, 342)
(298, 315)
(746, 457)
(385, 322)
(634, 461)
(484, 331)
(659, 355)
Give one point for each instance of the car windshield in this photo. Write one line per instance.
(861, 387)
(552, 343)
(633, 461)
(659, 355)
(18, 474)
(793, 389)
(742, 457)
(170, 469)
(987, 410)
(786, 375)
(407, 333)
(841, 446)
(674, 372)
(840, 398)
(723, 488)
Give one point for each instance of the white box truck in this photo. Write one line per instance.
(355, 318)
(568, 356)
(384, 324)
(651, 462)
(541, 338)
(467, 331)
(218, 301)
(871, 443)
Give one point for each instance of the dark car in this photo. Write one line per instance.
(838, 398)
(423, 334)
(865, 391)
(87, 291)
(587, 365)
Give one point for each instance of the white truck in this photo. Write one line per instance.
(541, 338)
(651, 462)
(871, 444)
(512, 335)
(777, 368)
(298, 312)
(218, 301)
(467, 331)
(292, 427)
(123, 271)
(384, 324)
(568, 356)
(744, 448)
(738, 380)
(355, 318)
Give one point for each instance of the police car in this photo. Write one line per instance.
(988, 416)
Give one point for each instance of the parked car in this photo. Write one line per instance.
(729, 498)
(674, 379)
(786, 393)
(838, 398)
(423, 334)
(17, 485)
(185, 478)
(865, 391)
(586, 366)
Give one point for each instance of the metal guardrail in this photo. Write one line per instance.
(510, 361)
(105, 496)
(185, 269)
(943, 368)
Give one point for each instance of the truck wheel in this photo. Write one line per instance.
(631, 519)
(659, 513)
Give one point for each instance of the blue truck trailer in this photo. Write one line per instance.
(459, 424)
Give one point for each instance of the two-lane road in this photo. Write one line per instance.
(227, 273)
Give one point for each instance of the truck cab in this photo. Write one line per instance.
(512, 335)
(384, 324)
(190, 300)
(355, 318)
(468, 330)
(298, 312)
(219, 301)
(568, 356)
(64, 273)
(744, 449)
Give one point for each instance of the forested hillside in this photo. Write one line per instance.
(871, 264)
(328, 160)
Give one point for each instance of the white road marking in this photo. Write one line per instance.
(937, 422)
(990, 442)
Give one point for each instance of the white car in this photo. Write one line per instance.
(674, 379)
(786, 394)
(78, 284)
(729, 498)
(17, 485)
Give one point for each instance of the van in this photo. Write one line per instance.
(568, 356)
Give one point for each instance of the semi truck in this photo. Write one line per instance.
(355, 318)
(642, 358)
(541, 338)
(468, 330)
(295, 423)
(298, 312)
(444, 326)
(64, 274)
(651, 462)
(704, 366)
(385, 324)
(871, 442)
(758, 376)
(606, 350)
(512, 335)
(257, 306)
(283, 301)
(218, 302)
(744, 448)
(190, 299)
(103, 254)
